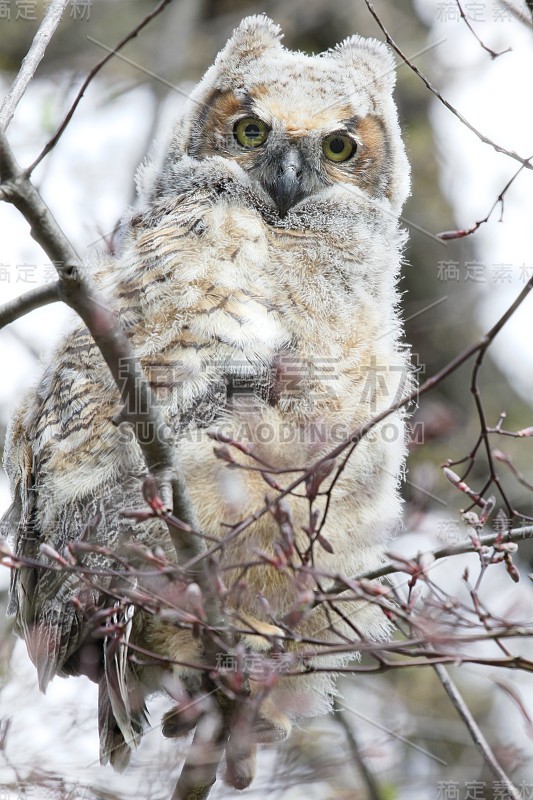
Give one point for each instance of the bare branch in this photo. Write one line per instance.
(506, 459)
(490, 539)
(526, 162)
(513, 693)
(32, 60)
(475, 732)
(493, 54)
(459, 234)
(199, 772)
(95, 70)
(36, 298)
(493, 476)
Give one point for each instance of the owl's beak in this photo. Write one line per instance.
(286, 190)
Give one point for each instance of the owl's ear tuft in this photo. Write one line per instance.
(251, 39)
(375, 55)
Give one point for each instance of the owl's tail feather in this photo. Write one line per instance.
(114, 749)
(121, 709)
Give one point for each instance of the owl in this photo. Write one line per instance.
(257, 283)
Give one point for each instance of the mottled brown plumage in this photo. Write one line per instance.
(257, 285)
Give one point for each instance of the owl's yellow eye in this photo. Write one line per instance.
(251, 132)
(338, 147)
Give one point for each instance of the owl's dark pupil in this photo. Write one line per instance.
(336, 145)
(252, 131)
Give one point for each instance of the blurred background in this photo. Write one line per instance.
(409, 739)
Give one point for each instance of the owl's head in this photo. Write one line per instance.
(299, 124)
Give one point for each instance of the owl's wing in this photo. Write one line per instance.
(21, 524)
(66, 489)
(48, 602)
(56, 609)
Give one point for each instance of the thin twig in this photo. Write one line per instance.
(94, 71)
(475, 732)
(474, 388)
(506, 459)
(490, 539)
(32, 60)
(526, 162)
(513, 693)
(462, 232)
(493, 54)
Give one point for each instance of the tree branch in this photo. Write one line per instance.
(493, 54)
(475, 732)
(520, 13)
(490, 539)
(462, 232)
(36, 298)
(78, 292)
(199, 772)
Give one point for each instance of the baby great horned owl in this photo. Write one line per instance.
(257, 284)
